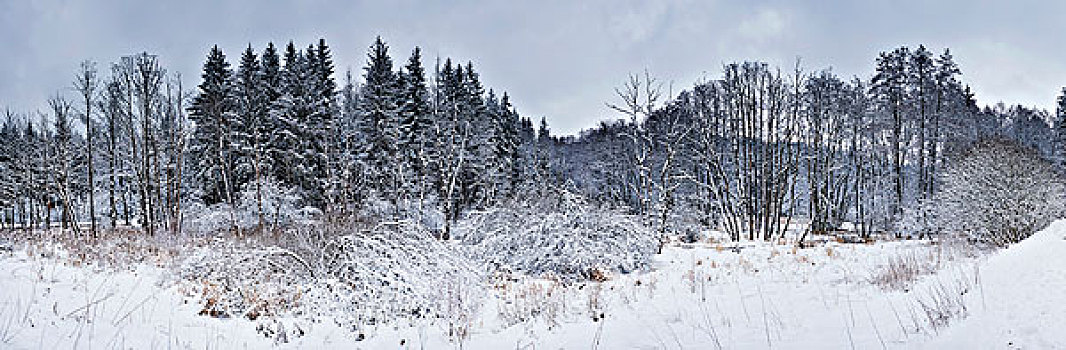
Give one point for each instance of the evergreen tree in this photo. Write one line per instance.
(475, 120)
(946, 88)
(921, 72)
(889, 90)
(271, 74)
(1060, 129)
(509, 144)
(416, 122)
(63, 144)
(542, 165)
(9, 181)
(271, 88)
(249, 107)
(381, 123)
(320, 138)
(290, 114)
(252, 106)
(213, 111)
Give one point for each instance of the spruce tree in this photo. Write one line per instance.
(416, 122)
(290, 114)
(508, 144)
(1060, 129)
(251, 138)
(476, 121)
(213, 111)
(249, 108)
(9, 182)
(946, 85)
(380, 121)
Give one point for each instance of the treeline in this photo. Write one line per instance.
(751, 152)
(276, 128)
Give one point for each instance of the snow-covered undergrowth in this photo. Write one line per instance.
(353, 278)
(316, 289)
(559, 236)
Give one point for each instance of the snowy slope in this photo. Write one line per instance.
(1021, 302)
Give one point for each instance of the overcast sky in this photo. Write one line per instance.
(558, 59)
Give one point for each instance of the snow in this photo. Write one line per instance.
(702, 295)
(1022, 302)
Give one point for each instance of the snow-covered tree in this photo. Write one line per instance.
(214, 110)
(999, 192)
(416, 124)
(1060, 129)
(381, 122)
(888, 88)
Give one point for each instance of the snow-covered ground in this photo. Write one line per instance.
(1022, 300)
(703, 296)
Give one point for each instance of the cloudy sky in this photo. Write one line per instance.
(558, 59)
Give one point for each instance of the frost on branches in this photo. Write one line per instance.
(337, 273)
(999, 192)
(559, 235)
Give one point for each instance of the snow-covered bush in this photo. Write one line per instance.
(391, 270)
(560, 235)
(343, 273)
(203, 220)
(424, 212)
(999, 192)
(277, 204)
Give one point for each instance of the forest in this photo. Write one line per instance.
(276, 137)
(277, 186)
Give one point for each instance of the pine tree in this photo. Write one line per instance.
(251, 138)
(946, 85)
(888, 88)
(475, 119)
(381, 123)
(1060, 129)
(213, 111)
(507, 142)
(921, 72)
(290, 114)
(416, 122)
(9, 181)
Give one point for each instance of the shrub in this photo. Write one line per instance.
(559, 235)
(998, 192)
(341, 272)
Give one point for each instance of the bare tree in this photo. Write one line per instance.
(747, 149)
(87, 83)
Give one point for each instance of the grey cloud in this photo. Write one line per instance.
(558, 59)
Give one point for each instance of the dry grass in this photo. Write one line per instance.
(112, 248)
(903, 270)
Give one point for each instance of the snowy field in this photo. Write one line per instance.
(699, 296)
